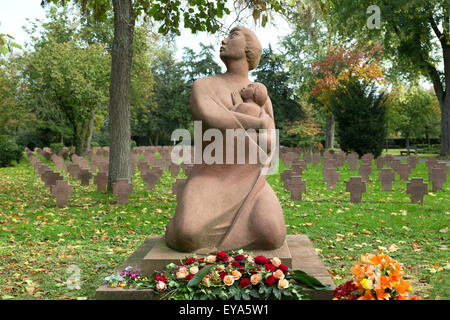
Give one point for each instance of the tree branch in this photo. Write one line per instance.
(439, 34)
(437, 83)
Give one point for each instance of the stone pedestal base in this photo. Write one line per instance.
(160, 255)
(297, 253)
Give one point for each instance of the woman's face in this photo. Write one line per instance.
(233, 46)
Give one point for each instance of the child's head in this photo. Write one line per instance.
(256, 92)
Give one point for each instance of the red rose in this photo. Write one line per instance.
(189, 276)
(239, 257)
(189, 261)
(236, 264)
(283, 268)
(221, 256)
(201, 259)
(222, 274)
(270, 267)
(245, 282)
(260, 260)
(161, 277)
(270, 280)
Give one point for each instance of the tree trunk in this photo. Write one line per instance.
(119, 92)
(329, 131)
(90, 131)
(445, 125)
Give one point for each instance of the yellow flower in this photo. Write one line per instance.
(367, 284)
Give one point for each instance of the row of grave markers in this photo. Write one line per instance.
(293, 182)
(151, 168)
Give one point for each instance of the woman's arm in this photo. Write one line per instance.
(215, 115)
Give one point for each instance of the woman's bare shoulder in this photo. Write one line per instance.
(209, 84)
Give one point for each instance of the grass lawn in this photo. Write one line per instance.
(39, 242)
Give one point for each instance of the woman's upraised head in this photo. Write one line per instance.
(253, 49)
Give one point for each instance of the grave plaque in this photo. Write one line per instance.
(174, 169)
(101, 180)
(316, 158)
(307, 157)
(286, 174)
(365, 169)
(299, 167)
(404, 170)
(328, 163)
(388, 159)
(84, 175)
(379, 162)
(143, 166)
(122, 189)
(356, 186)
(417, 189)
(412, 161)
(438, 175)
(61, 191)
(352, 160)
(50, 178)
(395, 164)
(331, 176)
(367, 157)
(151, 178)
(340, 158)
(386, 176)
(296, 186)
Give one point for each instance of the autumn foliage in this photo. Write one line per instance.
(343, 64)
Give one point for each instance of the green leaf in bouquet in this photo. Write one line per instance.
(306, 279)
(200, 275)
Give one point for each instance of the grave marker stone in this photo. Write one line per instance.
(151, 178)
(404, 170)
(122, 189)
(417, 189)
(61, 191)
(84, 175)
(50, 178)
(296, 186)
(412, 161)
(365, 169)
(386, 176)
(316, 158)
(331, 176)
(356, 186)
(395, 164)
(101, 180)
(438, 175)
(379, 162)
(352, 160)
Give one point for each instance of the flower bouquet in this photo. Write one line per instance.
(375, 277)
(233, 275)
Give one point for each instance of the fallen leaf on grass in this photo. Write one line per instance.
(444, 230)
(393, 248)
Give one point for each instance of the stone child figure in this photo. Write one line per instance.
(254, 97)
(229, 206)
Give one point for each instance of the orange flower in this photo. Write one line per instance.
(367, 296)
(402, 287)
(385, 283)
(381, 294)
(358, 273)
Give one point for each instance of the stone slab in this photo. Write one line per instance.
(304, 257)
(161, 255)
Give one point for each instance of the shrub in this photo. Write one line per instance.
(56, 147)
(9, 151)
(360, 113)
